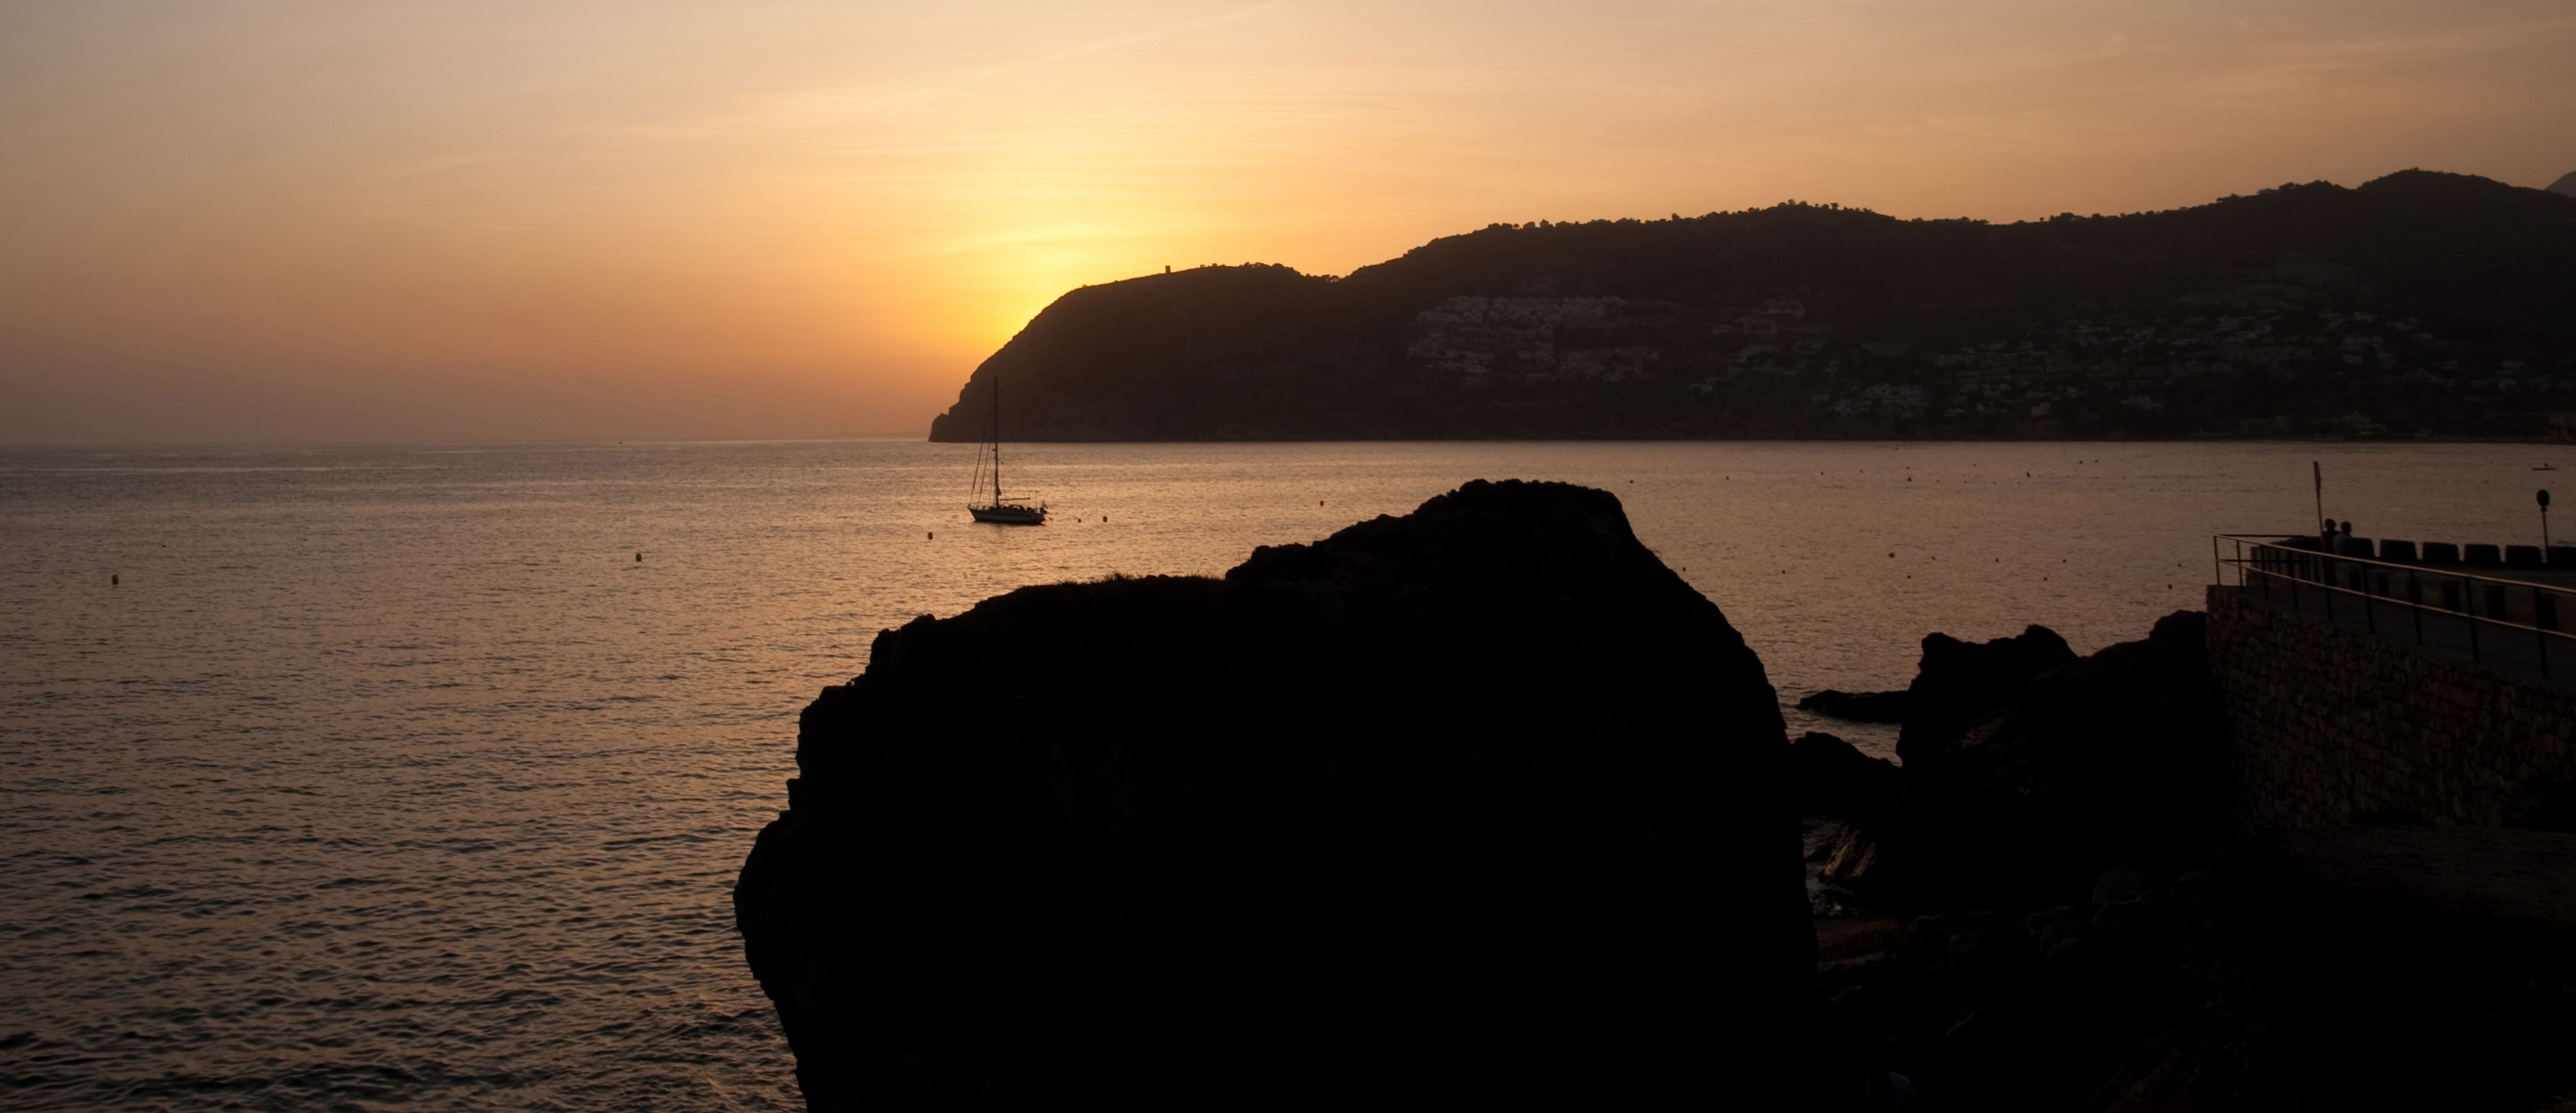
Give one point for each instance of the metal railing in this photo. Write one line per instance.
(2506, 608)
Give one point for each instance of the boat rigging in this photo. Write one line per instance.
(1002, 511)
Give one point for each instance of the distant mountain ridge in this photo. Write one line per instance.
(2421, 304)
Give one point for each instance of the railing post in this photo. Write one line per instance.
(2469, 601)
(2325, 576)
(2476, 599)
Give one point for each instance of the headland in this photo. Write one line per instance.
(2418, 305)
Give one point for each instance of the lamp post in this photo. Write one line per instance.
(2544, 519)
(2317, 471)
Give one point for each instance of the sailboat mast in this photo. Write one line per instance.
(997, 438)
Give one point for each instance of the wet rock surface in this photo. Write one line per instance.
(1322, 832)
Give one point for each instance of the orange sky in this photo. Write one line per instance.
(543, 219)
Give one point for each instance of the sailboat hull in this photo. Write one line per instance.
(1009, 515)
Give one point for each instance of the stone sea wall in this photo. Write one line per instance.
(2335, 726)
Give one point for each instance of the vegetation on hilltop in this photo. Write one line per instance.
(2418, 305)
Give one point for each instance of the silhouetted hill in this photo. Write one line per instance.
(2566, 184)
(2420, 304)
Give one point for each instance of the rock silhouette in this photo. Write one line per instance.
(1960, 682)
(1858, 707)
(2046, 870)
(1829, 776)
(2058, 915)
(1481, 806)
(2116, 760)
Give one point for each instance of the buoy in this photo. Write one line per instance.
(933, 535)
(111, 579)
(639, 558)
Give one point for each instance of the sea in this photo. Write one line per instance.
(417, 777)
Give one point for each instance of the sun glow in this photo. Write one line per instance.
(317, 220)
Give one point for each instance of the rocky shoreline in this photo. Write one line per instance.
(1485, 806)
(2050, 906)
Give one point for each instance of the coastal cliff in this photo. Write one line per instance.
(2419, 304)
(1482, 806)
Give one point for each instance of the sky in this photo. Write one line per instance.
(341, 221)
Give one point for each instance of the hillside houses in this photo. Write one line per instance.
(1787, 365)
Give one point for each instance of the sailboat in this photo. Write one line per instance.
(1001, 511)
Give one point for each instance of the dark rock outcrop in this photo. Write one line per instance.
(1960, 682)
(2117, 760)
(2387, 968)
(2055, 850)
(2029, 1011)
(1480, 806)
(1828, 776)
(2093, 936)
(1858, 707)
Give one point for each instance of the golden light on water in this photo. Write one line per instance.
(322, 221)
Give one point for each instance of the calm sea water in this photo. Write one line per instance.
(391, 777)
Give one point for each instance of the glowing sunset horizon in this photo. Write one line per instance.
(485, 221)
